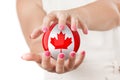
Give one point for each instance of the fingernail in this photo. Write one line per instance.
(72, 54)
(61, 55)
(83, 53)
(74, 28)
(45, 29)
(47, 53)
(61, 27)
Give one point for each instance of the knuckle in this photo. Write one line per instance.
(75, 19)
(53, 12)
(45, 67)
(59, 72)
(60, 62)
(69, 68)
(62, 14)
(76, 66)
(79, 62)
(50, 70)
(46, 18)
(51, 15)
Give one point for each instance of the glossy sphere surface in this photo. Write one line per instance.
(57, 41)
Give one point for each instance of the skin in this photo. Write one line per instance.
(101, 15)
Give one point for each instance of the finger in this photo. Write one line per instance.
(71, 61)
(32, 57)
(80, 60)
(47, 21)
(74, 24)
(62, 18)
(36, 33)
(83, 26)
(46, 61)
(60, 63)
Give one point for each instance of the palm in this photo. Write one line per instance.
(45, 60)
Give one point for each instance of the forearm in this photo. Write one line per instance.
(101, 15)
(30, 15)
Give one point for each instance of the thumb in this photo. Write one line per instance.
(36, 33)
(31, 57)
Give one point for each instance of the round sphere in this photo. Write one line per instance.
(60, 41)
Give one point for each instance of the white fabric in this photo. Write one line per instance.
(102, 61)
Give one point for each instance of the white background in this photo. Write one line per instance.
(12, 46)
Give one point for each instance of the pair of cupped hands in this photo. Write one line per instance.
(44, 59)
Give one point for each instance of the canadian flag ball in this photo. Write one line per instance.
(60, 41)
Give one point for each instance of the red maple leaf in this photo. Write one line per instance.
(61, 42)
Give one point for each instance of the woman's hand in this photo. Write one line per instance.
(62, 17)
(56, 66)
(45, 60)
(100, 15)
(65, 16)
(29, 21)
